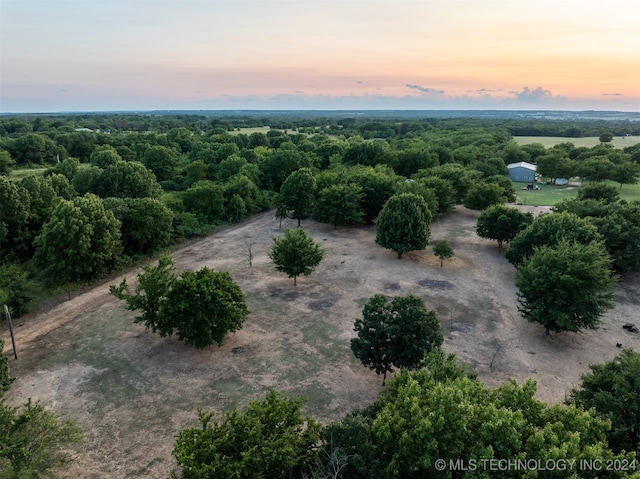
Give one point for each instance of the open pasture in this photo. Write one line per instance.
(589, 142)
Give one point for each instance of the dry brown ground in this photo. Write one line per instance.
(131, 391)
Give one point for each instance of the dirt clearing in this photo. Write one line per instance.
(132, 391)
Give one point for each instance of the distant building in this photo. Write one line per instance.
(522, 172)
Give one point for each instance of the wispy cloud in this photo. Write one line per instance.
(537, 95)
(423, 89)
(611, 94)
(483, 91)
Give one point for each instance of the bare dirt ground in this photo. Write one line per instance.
(132, 391)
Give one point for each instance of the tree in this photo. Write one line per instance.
(502, 223)
(340, 204)
(236, 209)
(6, 162)
(626, 173)
(482, 195)
(567, 286)
(200, 307)
(79, 242)
(613, 390)
(403, 224)
(606, 137)
(5, 377)
(549, 230)
(443, 250)
(146, 224)
(596, 168)
(161, 160)
(204, 306)
(33, 148)
(445, 194)
(459, 176)
(206, 200)
(150, 295)
(397, 333)
(271, 439)
(298, 193)
(296, 253)
(598, 191)
(15, 290)
(34, 440)
(378, 185)
(104, 156)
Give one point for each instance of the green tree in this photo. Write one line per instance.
(598, 191)
(146, 223)
(445, 194)
(163, 161)
(34, 441)
(79, 242)
(104, 156)
(270, 440)
(596, 168)
(403, 224)
(236, 209)
(378, 185)
(203, 306)
(395, 334)
(15, 289)
(606, 138)
(296, 253)
(206, 200)
(14, 220)
(460, 177)
(482, 195)
(150, 294)
(549, 230)
(298, 193)
(230, 166)
(33, 148)
(5, 377)
(6, 162)
(340, 204)
(626, 173)
(200, 307)
(502, 223)
(443, 250)
(566, 287)
(613, 390)
(441, 412)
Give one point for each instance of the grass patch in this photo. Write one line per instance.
(549, 195)
(589, 142)
(19, 173)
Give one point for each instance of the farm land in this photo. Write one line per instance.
(132, 391)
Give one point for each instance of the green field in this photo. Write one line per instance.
(549, 195)
(20, 173)
(589, 142)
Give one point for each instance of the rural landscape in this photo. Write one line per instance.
(319, 294)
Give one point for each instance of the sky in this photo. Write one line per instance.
(98, 55)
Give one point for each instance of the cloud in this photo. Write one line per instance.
(611, 94)
(538, 95)
(63, 90)
(422, 89)
(482, 91)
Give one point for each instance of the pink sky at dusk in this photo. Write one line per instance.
(93, 55)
